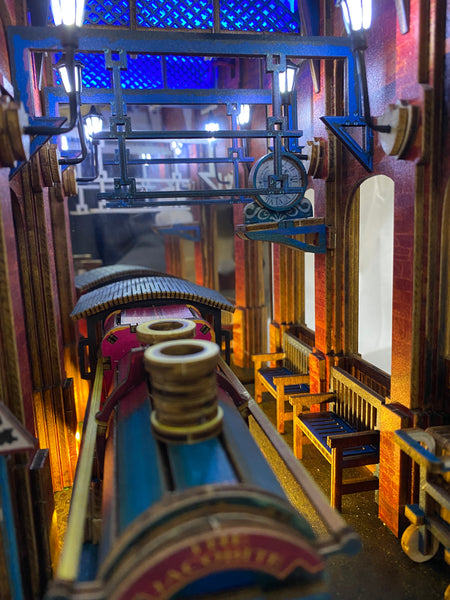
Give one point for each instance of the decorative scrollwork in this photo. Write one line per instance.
(253, 213)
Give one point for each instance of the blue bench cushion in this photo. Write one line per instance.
(295, 388)
(323, 424)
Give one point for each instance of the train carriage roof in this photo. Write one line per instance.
(150, 290)
(95, 278)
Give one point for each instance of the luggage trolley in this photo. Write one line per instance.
(430, 518)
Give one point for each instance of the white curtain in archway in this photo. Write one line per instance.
(376, 249)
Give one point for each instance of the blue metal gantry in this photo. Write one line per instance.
(117, 45)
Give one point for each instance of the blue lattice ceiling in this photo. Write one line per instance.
(279, 16)
(145, 72)
(173, 14)
(181, 72)
(105, 12)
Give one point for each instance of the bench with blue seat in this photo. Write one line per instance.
(288, 374)
(344, 431)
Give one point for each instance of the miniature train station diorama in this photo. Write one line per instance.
(224, 299)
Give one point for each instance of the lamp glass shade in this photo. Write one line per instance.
(64, 142)
(244, 114)
(286, 79)
(176, 147)
(357, 14)
(93, 123)
(64, 74)
(68, 12)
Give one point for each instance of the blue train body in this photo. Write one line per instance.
(154, 520)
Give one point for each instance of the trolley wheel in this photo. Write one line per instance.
(411, 542)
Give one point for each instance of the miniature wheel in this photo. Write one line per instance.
(411, 542)
(160, 330)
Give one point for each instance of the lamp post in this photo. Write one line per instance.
(243, 117)
(68, 12)
(357, 16)
(286, 79)
(70, 71)
(93, 123)
(68, 17)
(286, 82)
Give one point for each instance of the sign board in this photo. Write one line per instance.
(13, 435)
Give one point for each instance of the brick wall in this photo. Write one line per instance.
(394, 474)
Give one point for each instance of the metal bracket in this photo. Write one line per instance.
(39, 140)
(23, 40)
(186, 232)
(280, 235)
(339, 126)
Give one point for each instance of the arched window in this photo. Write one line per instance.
(376, 244)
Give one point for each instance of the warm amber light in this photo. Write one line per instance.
(78, 437)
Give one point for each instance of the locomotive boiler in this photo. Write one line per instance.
(172, 496)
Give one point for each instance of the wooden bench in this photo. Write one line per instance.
(345, 432)
(290, 376)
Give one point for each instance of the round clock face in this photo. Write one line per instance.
(294, 176)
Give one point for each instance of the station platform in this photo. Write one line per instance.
(381, 571)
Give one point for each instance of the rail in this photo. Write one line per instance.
(68, 565)
(340, 536)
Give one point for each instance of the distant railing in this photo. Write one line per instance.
(304, 334)
(297, 354)
(376, 379)
(357, 404)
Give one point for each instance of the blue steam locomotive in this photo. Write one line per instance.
(172, 496)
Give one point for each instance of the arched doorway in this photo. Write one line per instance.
(376, 246)
(369, 269)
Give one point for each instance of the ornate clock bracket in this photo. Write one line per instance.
(281, 212)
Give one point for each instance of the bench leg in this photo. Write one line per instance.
(298, 440)
(258, 390)
(336, 478)
(280, 412)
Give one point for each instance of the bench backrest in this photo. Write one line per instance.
(355, 402)
(297, 354)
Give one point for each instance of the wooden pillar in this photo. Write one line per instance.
(288, 291)
(10, 313)
(394, 475)
(30, 490)
(66, 289)
(174, 255)
(250, 317)
(205, 250)
(11, 394)
(53, 395)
